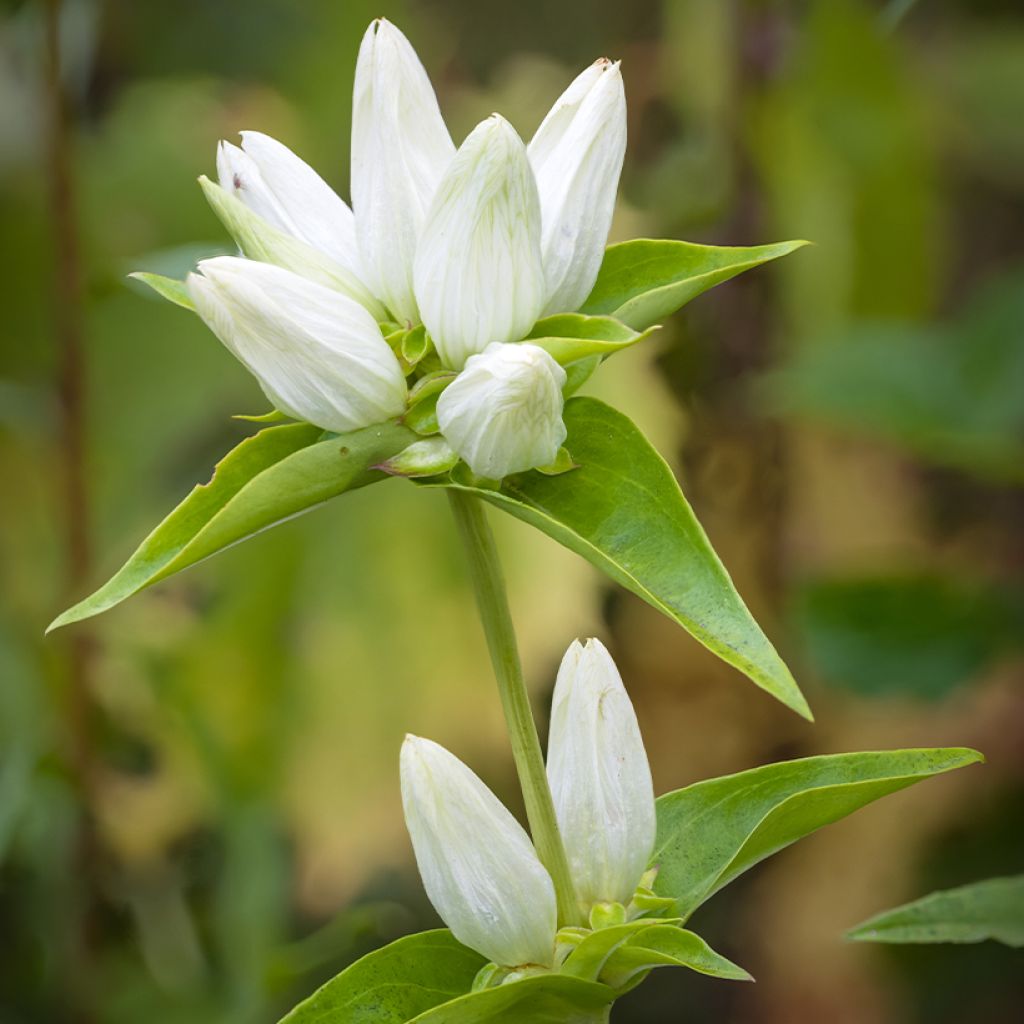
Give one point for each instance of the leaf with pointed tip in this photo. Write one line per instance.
(665, 945)
(272, 476)
(713, 831)
(645, 280)
(167, 287)
(394, 984)
(992, 909)
(569, 337)
(623, 511)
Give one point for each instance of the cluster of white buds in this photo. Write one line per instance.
(475, 243)
(478, 866)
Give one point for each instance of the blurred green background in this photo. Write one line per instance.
(199, 808)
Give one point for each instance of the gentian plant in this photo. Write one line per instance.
(438, 331)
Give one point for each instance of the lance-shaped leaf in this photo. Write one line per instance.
(666, 945)
(713, 831)
(394, 984)
(572, 336)
(272, 476)
(993, 909)
(644, 280)
(623, 511)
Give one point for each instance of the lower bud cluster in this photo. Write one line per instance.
(478, 865)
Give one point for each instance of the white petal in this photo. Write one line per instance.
(577, 155)
(400, 150)
(479, 277)
(273, 182)
(261, 240)
(478, 865)
(503, 413)
(599, 775)
(318, 355)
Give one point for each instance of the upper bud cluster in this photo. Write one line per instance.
(478, 866)
(474, 242)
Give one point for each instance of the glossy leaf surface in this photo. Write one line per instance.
(713, 831)
(623, 511)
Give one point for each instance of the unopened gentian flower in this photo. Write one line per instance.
(503, 413)
(476, 243)
(599, 776)
(318, 355)
(477, 863)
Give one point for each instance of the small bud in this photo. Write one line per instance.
(478, 272)
(577, 156)
(287, 193)
(400, 150)
(477, 863)
(600, 779)
(318, 355)
(503, 413)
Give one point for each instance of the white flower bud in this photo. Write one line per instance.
(576, 156)
(400, 150)
(478, 865)
(286, 192)
(478, 274)
(503, 413)
(600, 779)
(318, 355)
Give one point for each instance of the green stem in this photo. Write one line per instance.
(492, 601)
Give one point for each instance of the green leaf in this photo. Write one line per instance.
(542, 999)
(569, 337)
(272, 476)
(623, 511)
(171, 289)
(666, 945)
(993, 909)
(713, 831)
(645, 280)
(394, 984)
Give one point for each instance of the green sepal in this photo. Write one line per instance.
(569, 337)
(416, 345)
(274, 416)
(422, 416)
(992, 909)
(605, 915)
(431, 384)
(260, 240)
(645, 280)
(563, 464)
(169, 288)
(270, 477)
(428, 457)
(711, 832)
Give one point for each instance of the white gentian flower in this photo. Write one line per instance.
(286, 192)
(599, 776)
(318, 355)
(400, 150)
(475, 244)
(478, 273)
(503, 413)
(576, 155)
(477, 863)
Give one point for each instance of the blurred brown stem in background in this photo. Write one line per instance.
(69, 337)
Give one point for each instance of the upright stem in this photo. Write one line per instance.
(492, 601)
